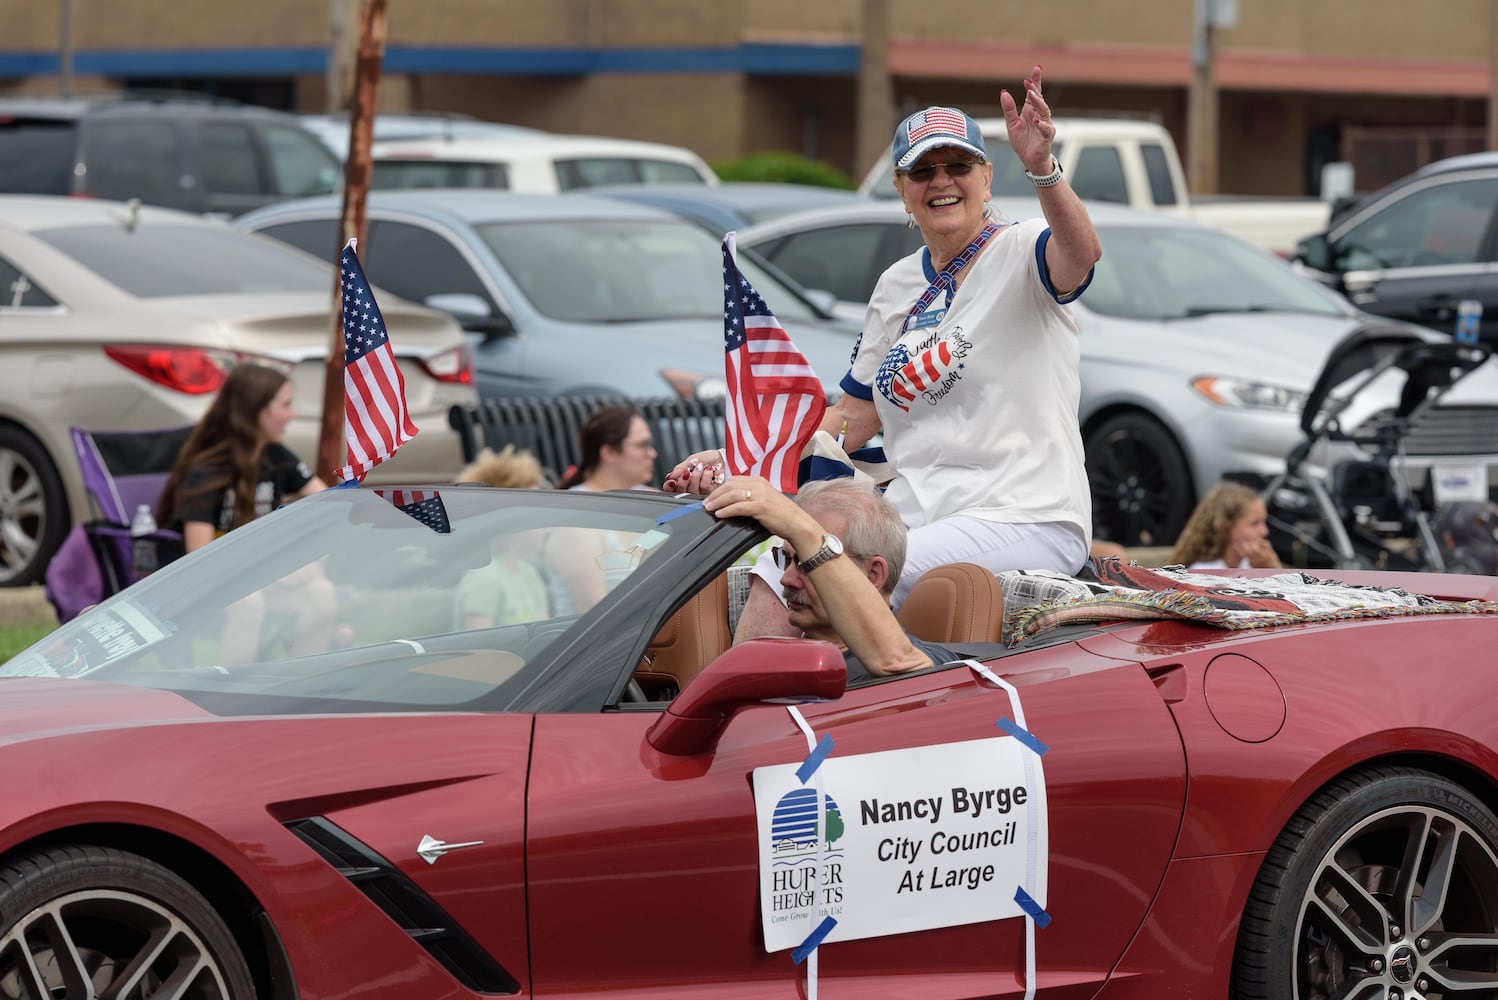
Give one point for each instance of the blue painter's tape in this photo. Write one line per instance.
(682, 511)
(815, 938)
(1041, 917)
(347, 484)
(1023, 735)
(814, 759)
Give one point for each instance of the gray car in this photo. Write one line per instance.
(564, 295)
(1197, 353)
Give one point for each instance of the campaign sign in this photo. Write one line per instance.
(908, 840)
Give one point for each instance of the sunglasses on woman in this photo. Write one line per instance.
(956, 168)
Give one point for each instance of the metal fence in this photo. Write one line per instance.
(550, 427)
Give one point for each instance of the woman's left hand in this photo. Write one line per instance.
(1031, 131)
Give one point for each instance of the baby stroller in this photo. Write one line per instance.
(1345, 499)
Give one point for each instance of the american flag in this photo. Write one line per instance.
(775, 401)
(935, 120)
(375, 421)
(424, 505)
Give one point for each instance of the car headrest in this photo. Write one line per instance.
(956, 603)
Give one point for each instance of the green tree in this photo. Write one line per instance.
(834, 824)
(783, 168)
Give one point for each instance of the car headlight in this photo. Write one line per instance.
(1256, 395)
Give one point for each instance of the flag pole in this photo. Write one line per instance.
(356, 175)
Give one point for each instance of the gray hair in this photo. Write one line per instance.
(873, 527)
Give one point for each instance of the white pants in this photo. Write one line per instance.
(994, 545)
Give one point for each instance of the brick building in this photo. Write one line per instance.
(1301, 81)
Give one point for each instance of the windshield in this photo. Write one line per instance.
(1172, 272)
(156, 260)
(626, 270)
(354, 600)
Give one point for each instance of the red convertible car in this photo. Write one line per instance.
(470, 742)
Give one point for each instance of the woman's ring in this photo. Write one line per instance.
(748, 496)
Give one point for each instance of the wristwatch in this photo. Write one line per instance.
(1047, 180)
(832, 547)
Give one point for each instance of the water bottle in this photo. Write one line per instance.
(142, 545)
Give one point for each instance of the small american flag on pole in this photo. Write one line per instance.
(775, 401)
(937, 120)
(375, 421)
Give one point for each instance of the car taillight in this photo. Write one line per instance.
(455, 365)
(191, 370)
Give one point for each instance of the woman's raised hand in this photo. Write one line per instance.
(1031, 130)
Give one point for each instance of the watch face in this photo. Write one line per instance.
(832, 547)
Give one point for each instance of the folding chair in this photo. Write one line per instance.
(121, 470)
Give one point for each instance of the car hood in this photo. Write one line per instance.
(34, 708)
(1285, 349)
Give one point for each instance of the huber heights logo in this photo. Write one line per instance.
(796, 853)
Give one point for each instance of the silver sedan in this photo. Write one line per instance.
(118, 317)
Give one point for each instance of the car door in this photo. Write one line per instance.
(227, 165)
(1415, 256)
(134, 156)
(643, 867)
(297, 164)
(417, 261)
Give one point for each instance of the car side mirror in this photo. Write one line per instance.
(822, 299)
(1315, 252)
(472, 313)
(752, 672)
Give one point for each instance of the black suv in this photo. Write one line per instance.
(195, 155)
(1420, 247)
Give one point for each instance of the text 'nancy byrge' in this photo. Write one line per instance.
(972, 802)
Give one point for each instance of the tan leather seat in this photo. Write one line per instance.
(696, 635)
(956, 603)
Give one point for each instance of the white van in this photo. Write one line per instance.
(541, 164)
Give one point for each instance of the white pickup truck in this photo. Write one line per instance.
(1135, 163)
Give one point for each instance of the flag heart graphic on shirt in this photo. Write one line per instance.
(901, 378)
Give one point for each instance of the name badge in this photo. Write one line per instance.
(929, 318)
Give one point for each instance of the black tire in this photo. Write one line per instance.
(33, 508)
(1385, 884)
(113, 909)
(1142, 492)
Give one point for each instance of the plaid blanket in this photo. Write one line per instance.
(1037, 601)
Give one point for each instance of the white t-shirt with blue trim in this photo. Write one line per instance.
(979, 397)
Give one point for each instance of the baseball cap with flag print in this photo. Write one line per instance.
(933, 128)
